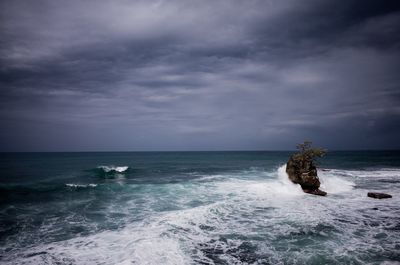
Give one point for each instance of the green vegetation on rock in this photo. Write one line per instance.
(307, 153)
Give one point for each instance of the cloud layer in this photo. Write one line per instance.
(199, 75)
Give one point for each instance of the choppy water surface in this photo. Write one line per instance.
(196, 208)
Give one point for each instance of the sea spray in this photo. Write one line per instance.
(119, 169)
(335, 184)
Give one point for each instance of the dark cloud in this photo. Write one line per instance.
(198, 75)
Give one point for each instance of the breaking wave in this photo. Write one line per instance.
(109, 169)
(72, 185)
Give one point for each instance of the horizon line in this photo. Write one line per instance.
(195, 151)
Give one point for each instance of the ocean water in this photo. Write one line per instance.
(196, 208)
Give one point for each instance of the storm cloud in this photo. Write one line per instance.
(199, 75)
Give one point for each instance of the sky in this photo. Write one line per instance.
(199, 75)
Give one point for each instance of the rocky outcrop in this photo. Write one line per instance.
(304, 172)
(378, 195)
(316, 192)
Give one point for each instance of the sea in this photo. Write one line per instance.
(196, 208)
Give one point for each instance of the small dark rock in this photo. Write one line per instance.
(378, 195)
(316, 192)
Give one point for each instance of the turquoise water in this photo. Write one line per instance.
(196, 208)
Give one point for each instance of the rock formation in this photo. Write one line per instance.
(378, 195)
(301, 168)
(305, 174)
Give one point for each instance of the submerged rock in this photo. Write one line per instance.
(378, 195)
(304, 172)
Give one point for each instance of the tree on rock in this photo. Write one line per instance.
(301, 168)
(308, 153)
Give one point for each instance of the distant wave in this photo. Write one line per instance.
(109, 169)
(366, 173)
(72, 185)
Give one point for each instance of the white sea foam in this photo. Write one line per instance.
(72, 185)
(210, 178)
(147, 242)
(271, 208)
(334, 182)
(278, 186)
(370, 173)
(119, 169)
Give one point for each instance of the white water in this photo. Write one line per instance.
(270, 212)
(333, 183)
(371, 173)
(72, 185)
(114, 168)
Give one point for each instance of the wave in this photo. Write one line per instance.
(109, 169)
(335, 181)
(367, 173)
(331, 182)
(72, 185)
(274, 183)
(334, 184)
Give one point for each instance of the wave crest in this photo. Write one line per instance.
(72, 185)
(109, 169)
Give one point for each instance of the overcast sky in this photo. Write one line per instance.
(199, 75)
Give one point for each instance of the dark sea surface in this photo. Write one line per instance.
(196, 208)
